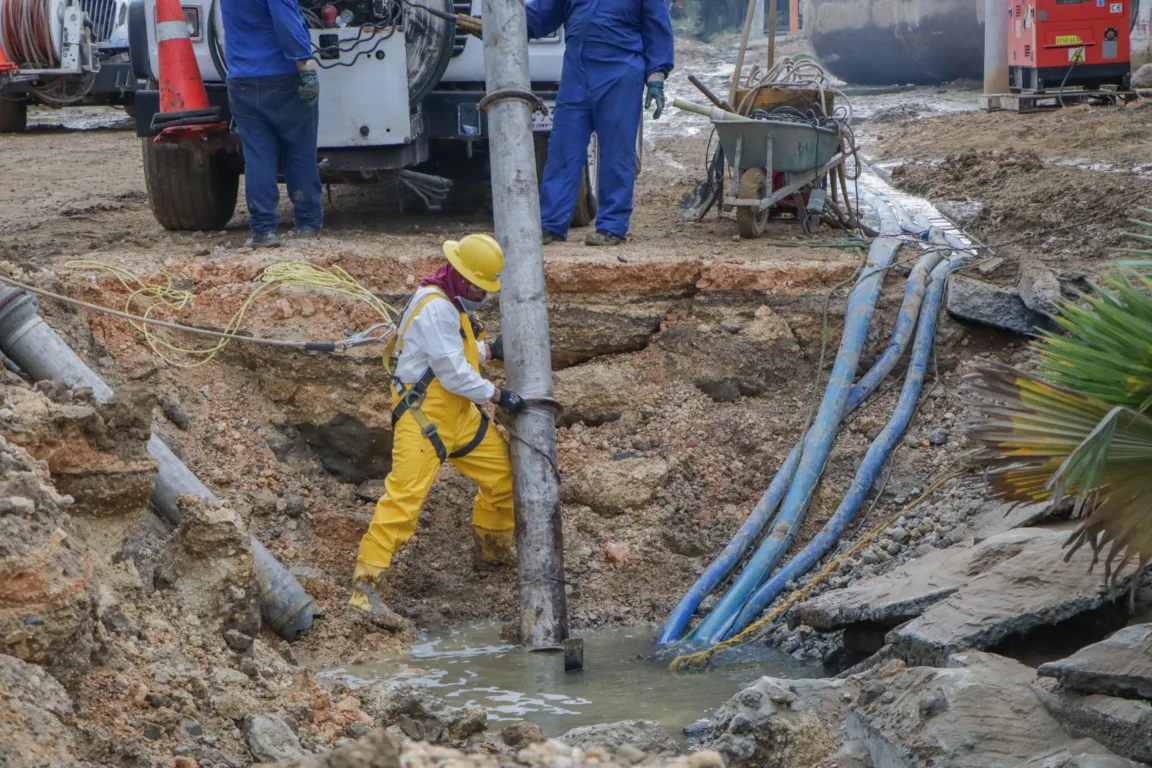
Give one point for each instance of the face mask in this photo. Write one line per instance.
(472, 306)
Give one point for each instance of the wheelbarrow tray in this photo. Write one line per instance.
(796, 147)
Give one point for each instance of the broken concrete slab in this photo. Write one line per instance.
(771, 725)
(972, 598)
(1120, 665)
(1039, 288)
(612, 488)
(1122, 725)
(979, 711)
(645, 735)
(980, 302)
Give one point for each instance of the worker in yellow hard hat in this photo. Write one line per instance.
(436, 416)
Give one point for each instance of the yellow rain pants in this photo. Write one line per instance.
(415, 464)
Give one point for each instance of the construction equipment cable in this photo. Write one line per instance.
(28, 34)
(158, 292)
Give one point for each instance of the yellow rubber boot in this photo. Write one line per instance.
(366, 602)
(494, 547)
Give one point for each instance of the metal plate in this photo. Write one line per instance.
(540, 122)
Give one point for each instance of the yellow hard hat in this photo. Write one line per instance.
(478, 258)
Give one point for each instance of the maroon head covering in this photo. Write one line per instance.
(451, 282)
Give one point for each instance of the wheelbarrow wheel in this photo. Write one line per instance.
(751, 222)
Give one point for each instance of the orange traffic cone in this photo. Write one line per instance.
(184, 107)
(5, 65)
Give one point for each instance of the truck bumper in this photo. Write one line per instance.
(454, 115)
(116, 79)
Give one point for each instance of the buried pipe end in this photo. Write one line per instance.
(301, 621)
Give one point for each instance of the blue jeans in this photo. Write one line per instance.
(277, 130)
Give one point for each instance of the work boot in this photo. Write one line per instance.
(492, 548)
(600, 237)
(366, 604)
(306, 233)
(263, 240)
(547, 237)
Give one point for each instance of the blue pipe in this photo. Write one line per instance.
(818, 441)
(873, 460)
(766, 506)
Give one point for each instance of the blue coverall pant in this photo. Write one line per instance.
(605, 97)
(278, 129)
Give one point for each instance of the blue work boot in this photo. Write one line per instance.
(600, 237)
(263, 240)
(547, 237)
(306, 233)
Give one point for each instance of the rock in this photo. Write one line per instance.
(589, 326)
(963, 212)
(237, 641)
(1120, 665)
(208, 563)
(158, 700)
(379, 749)
(1142, 78)
(153, 731)
(938, 437)
(612, 488)
(271, 740)
(775, 724)
(645, 735)
(616, 553)
(990, 266)
(420, 714)
(979, 302)
(1122, 725)
(47, 596)
(294, 506)
(520, 735)
(234, 705)
(175, 414)
(33, 708)
(370, 490)
(852, 754)
(955, 599)
(598, 393)
(1039, 288)
(977, 712)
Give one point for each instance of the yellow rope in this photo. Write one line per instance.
(700, 659)
(159, 292)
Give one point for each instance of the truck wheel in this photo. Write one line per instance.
(587, 205)
(189, 189)
(13, 115)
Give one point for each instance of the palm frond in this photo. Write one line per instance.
(1044, 442)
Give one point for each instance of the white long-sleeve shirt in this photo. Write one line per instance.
(433, 341)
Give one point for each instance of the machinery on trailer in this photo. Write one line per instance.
(62, 53)
(400, 101)
(1059, 43)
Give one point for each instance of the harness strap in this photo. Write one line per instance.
(476, 439)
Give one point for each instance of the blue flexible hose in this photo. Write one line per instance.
(766, 506)
(818, 441)
(874, 459)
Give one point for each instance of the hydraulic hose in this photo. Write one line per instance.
(818, 442)
(873, 461)
(766, 506)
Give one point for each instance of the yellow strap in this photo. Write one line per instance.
(436, 294)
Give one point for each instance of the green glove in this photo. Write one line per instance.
(309, 89)
(655, 95)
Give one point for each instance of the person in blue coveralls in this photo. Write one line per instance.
(614, 47)
(273, 90)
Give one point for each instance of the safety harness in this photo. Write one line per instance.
(412, 398)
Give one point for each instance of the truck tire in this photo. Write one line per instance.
(13, 115)
(189, 189)
(587, 205)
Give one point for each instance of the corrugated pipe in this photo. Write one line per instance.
(42, 354)
(873, 461)
(818, 441)
(766, 506)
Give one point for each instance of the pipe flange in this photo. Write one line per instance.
(533, 100)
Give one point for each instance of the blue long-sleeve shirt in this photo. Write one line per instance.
(625, 28)
(264, 38)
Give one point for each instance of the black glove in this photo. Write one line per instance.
(496, 349)
(655, 96)
(309, 89)
(511, 402)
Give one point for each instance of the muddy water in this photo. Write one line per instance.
(625, 677)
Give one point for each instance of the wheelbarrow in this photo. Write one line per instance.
(760, 151)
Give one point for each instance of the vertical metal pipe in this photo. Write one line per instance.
(42, 354)
(524, 325)
(995, 46)
(771, 33)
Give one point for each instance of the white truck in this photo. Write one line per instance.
(67, 52)
(399, 99)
